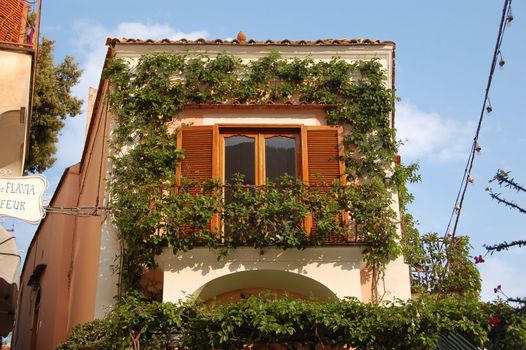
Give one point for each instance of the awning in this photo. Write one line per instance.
(9, 280)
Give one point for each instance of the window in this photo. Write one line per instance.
(261, 153)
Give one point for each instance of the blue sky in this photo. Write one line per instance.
(443, 55)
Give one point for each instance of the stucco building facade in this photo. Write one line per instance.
(70, 276)
(18, 48)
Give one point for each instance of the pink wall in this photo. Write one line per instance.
(52, 247)
(69, 247)
(86, 245)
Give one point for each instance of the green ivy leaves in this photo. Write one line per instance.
(300, 324)
(146, 98)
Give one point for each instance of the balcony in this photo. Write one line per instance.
(19, 23)
(287, 214)
(312, 240)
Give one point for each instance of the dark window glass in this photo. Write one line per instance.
(280, 157)
(240, 158)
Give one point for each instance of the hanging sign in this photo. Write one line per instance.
(21, 197)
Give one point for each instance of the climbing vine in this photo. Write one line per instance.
(154, 211)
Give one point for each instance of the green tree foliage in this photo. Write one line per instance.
(52, 104)
(443, 267)
(301, 324)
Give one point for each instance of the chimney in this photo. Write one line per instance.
(92, 95)
(241, 37)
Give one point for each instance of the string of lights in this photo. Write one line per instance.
(467, 178)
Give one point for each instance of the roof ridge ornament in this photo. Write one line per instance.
(241, 37)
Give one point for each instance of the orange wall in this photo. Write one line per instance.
(52, 247)
(87, 240)
(69, 245)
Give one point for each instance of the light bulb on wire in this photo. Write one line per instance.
(509, 18)
(501, 61)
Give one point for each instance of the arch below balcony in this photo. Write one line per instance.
(186, 274)
(242, 284)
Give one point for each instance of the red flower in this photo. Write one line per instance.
(494, 321)
(479, 259)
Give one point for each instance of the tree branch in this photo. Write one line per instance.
(504, 246)
(502, 177)
(506, 202)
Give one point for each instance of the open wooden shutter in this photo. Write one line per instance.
(324, 148)
(199, 164)
(323, 154)
(198, 144)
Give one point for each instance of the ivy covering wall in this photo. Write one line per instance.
(147, 96)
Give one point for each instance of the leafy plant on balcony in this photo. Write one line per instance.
(276, 214)
(270, 215)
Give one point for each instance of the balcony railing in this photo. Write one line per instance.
(287, 214)
(19, 23)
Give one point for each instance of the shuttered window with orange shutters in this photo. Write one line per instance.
(324, 164)
(321, 148)
(319, 154)
(323, 155)
(197, 142)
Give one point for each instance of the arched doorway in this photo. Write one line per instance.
(242, 284)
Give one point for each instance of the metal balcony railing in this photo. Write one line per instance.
(287, 214)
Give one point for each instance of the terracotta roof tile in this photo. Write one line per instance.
(321, 42)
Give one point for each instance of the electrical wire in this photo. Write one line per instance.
(82, 211)
(486, 107)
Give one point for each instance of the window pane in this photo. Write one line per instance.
(240, 158)
(280, 157)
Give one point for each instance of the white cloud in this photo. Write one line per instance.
(91, 47)
(92, 39)
(430, 135)
(156, 31)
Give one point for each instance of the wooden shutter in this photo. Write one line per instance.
(198, 144)
(324, 148)
(200, 155)
(323, 154)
